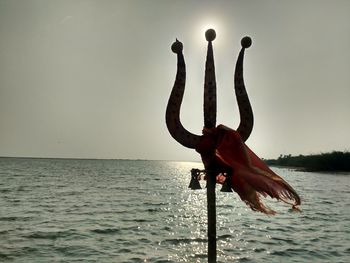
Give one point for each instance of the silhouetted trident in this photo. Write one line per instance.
(190, 140)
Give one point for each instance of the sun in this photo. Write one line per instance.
(201, 25)
(209, 24)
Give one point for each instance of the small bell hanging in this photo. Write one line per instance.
(194, 183)
(226, 186)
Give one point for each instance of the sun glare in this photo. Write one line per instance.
(202, 27)
(208, 26)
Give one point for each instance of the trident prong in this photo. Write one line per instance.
(177, 131)
(209, 104)
(245, 110)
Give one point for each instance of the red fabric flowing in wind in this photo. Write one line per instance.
(222, 149)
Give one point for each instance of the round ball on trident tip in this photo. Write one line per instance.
(210, 34)
(177, 47)
(246, 42)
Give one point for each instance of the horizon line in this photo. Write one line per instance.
(89, 158)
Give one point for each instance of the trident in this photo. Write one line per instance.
(190, 140)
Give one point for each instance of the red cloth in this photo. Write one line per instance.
(222, 149)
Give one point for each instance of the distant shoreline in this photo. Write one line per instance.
(326, 162)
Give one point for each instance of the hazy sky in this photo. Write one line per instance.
(91, 79)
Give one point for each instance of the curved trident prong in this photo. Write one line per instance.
(176, 129)
(245, 110)
(179, 133)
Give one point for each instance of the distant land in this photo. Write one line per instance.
(325, 162)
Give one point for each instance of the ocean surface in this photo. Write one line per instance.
(61, 210)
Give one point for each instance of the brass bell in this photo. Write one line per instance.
(227, 186)
(194, 183)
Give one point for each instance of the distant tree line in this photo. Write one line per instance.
(333, 161)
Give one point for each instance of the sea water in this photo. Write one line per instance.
(61, 210)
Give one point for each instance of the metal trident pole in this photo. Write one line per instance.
(190, 140)
(210, 122)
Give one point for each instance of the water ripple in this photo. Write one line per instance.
(142, 211)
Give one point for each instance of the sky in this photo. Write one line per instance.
(91, 79)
